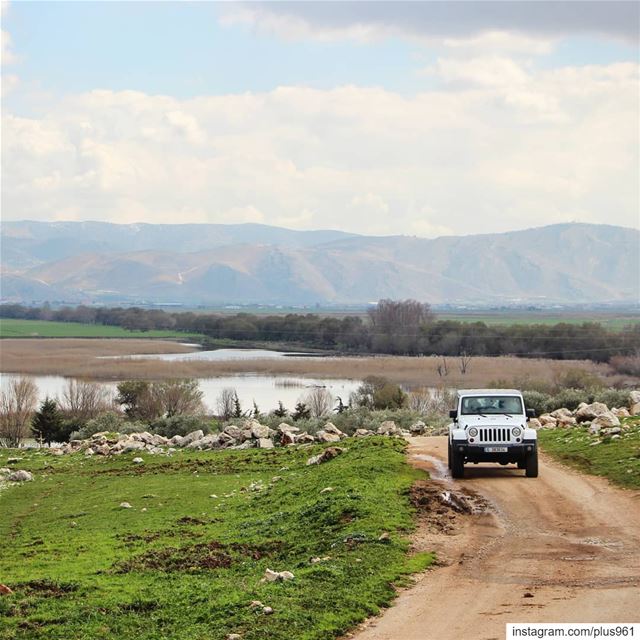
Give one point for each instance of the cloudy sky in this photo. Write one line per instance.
(417, 118)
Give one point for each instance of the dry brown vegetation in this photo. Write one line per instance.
(81, 358)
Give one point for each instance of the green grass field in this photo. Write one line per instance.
(617, 459)
(10, 328)
(181, 564)
(612, 321)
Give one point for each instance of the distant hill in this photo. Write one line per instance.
(210, 264)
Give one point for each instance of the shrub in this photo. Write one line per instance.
(181, 425)
(107, 421)
(536, 400)
(574, 378)
(627, 365)
(613, 397)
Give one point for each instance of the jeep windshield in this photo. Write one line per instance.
(491, 405)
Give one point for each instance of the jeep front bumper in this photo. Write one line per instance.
(478, 452)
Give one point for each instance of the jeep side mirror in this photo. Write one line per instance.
(453, 414)
(531, 413)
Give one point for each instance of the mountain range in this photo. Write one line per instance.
(250, 263)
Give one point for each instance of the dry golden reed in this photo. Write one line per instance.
(81, 358)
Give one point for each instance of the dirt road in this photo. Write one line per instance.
(564, 547)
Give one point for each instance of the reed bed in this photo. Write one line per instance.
(80, 358)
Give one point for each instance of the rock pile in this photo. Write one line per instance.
(597, 416)
(250, 434)
(20, 475)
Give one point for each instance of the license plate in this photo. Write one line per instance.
(495, 449)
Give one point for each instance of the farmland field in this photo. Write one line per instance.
(187, 559)
(13, 328)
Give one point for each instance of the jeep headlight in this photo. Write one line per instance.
(516, 432)
(473, 432)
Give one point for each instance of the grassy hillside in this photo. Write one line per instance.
(187, 559)
(11, 328)
(617, 459)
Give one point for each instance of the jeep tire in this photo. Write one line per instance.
(531, 469)
(457, 464)
(449, 463)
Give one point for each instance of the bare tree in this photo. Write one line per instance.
(179, 397)
(465, 361)
(17, 404)
(419, 400)
(225, 403)
(442, 368)
(319, 401)
(399, 316)
(427, 400)
(85, 400)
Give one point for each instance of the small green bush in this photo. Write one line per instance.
(613, 397)
(107, 421)
(537, 401)
(181, 425)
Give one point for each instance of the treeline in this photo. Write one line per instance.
(392, 327)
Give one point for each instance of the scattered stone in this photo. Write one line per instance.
(89, 452)
(73, 524)
(192, 437)
(418, 428)
(143, 509)
(265, 443)
(388, 428)
(125, 505)
(323, 436)
(267, 610)
(5, 471)
(534, 423)
(362, 433)
(623, 412)
(327, 490)
(20, 476)
(258, 430)
(384, 537)
(255, 604)
(547, 421)
(275, 576)
(328, 454)
(4, 590)
(587, 412)
(606, 420)
(13, 460)
(234, 636)
(138, 461)
(213, 495)
(634, 403)
(564, 417)
(527, 594)
(331, 428)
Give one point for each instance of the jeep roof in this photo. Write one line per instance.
(484, 392)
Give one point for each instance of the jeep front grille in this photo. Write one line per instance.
(494, 434)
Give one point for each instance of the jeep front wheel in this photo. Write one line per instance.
(531, 470)
(449, 455)
(457, 464)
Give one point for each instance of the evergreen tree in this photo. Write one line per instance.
(237, 409)
(48, 423)
(301, 412)
(280, 412)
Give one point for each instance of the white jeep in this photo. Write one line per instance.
(490, 425)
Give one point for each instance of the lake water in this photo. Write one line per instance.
(266, 391)
(218, 355)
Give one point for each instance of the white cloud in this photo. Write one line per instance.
(7, 56)
(477, 154)
(366, 21)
